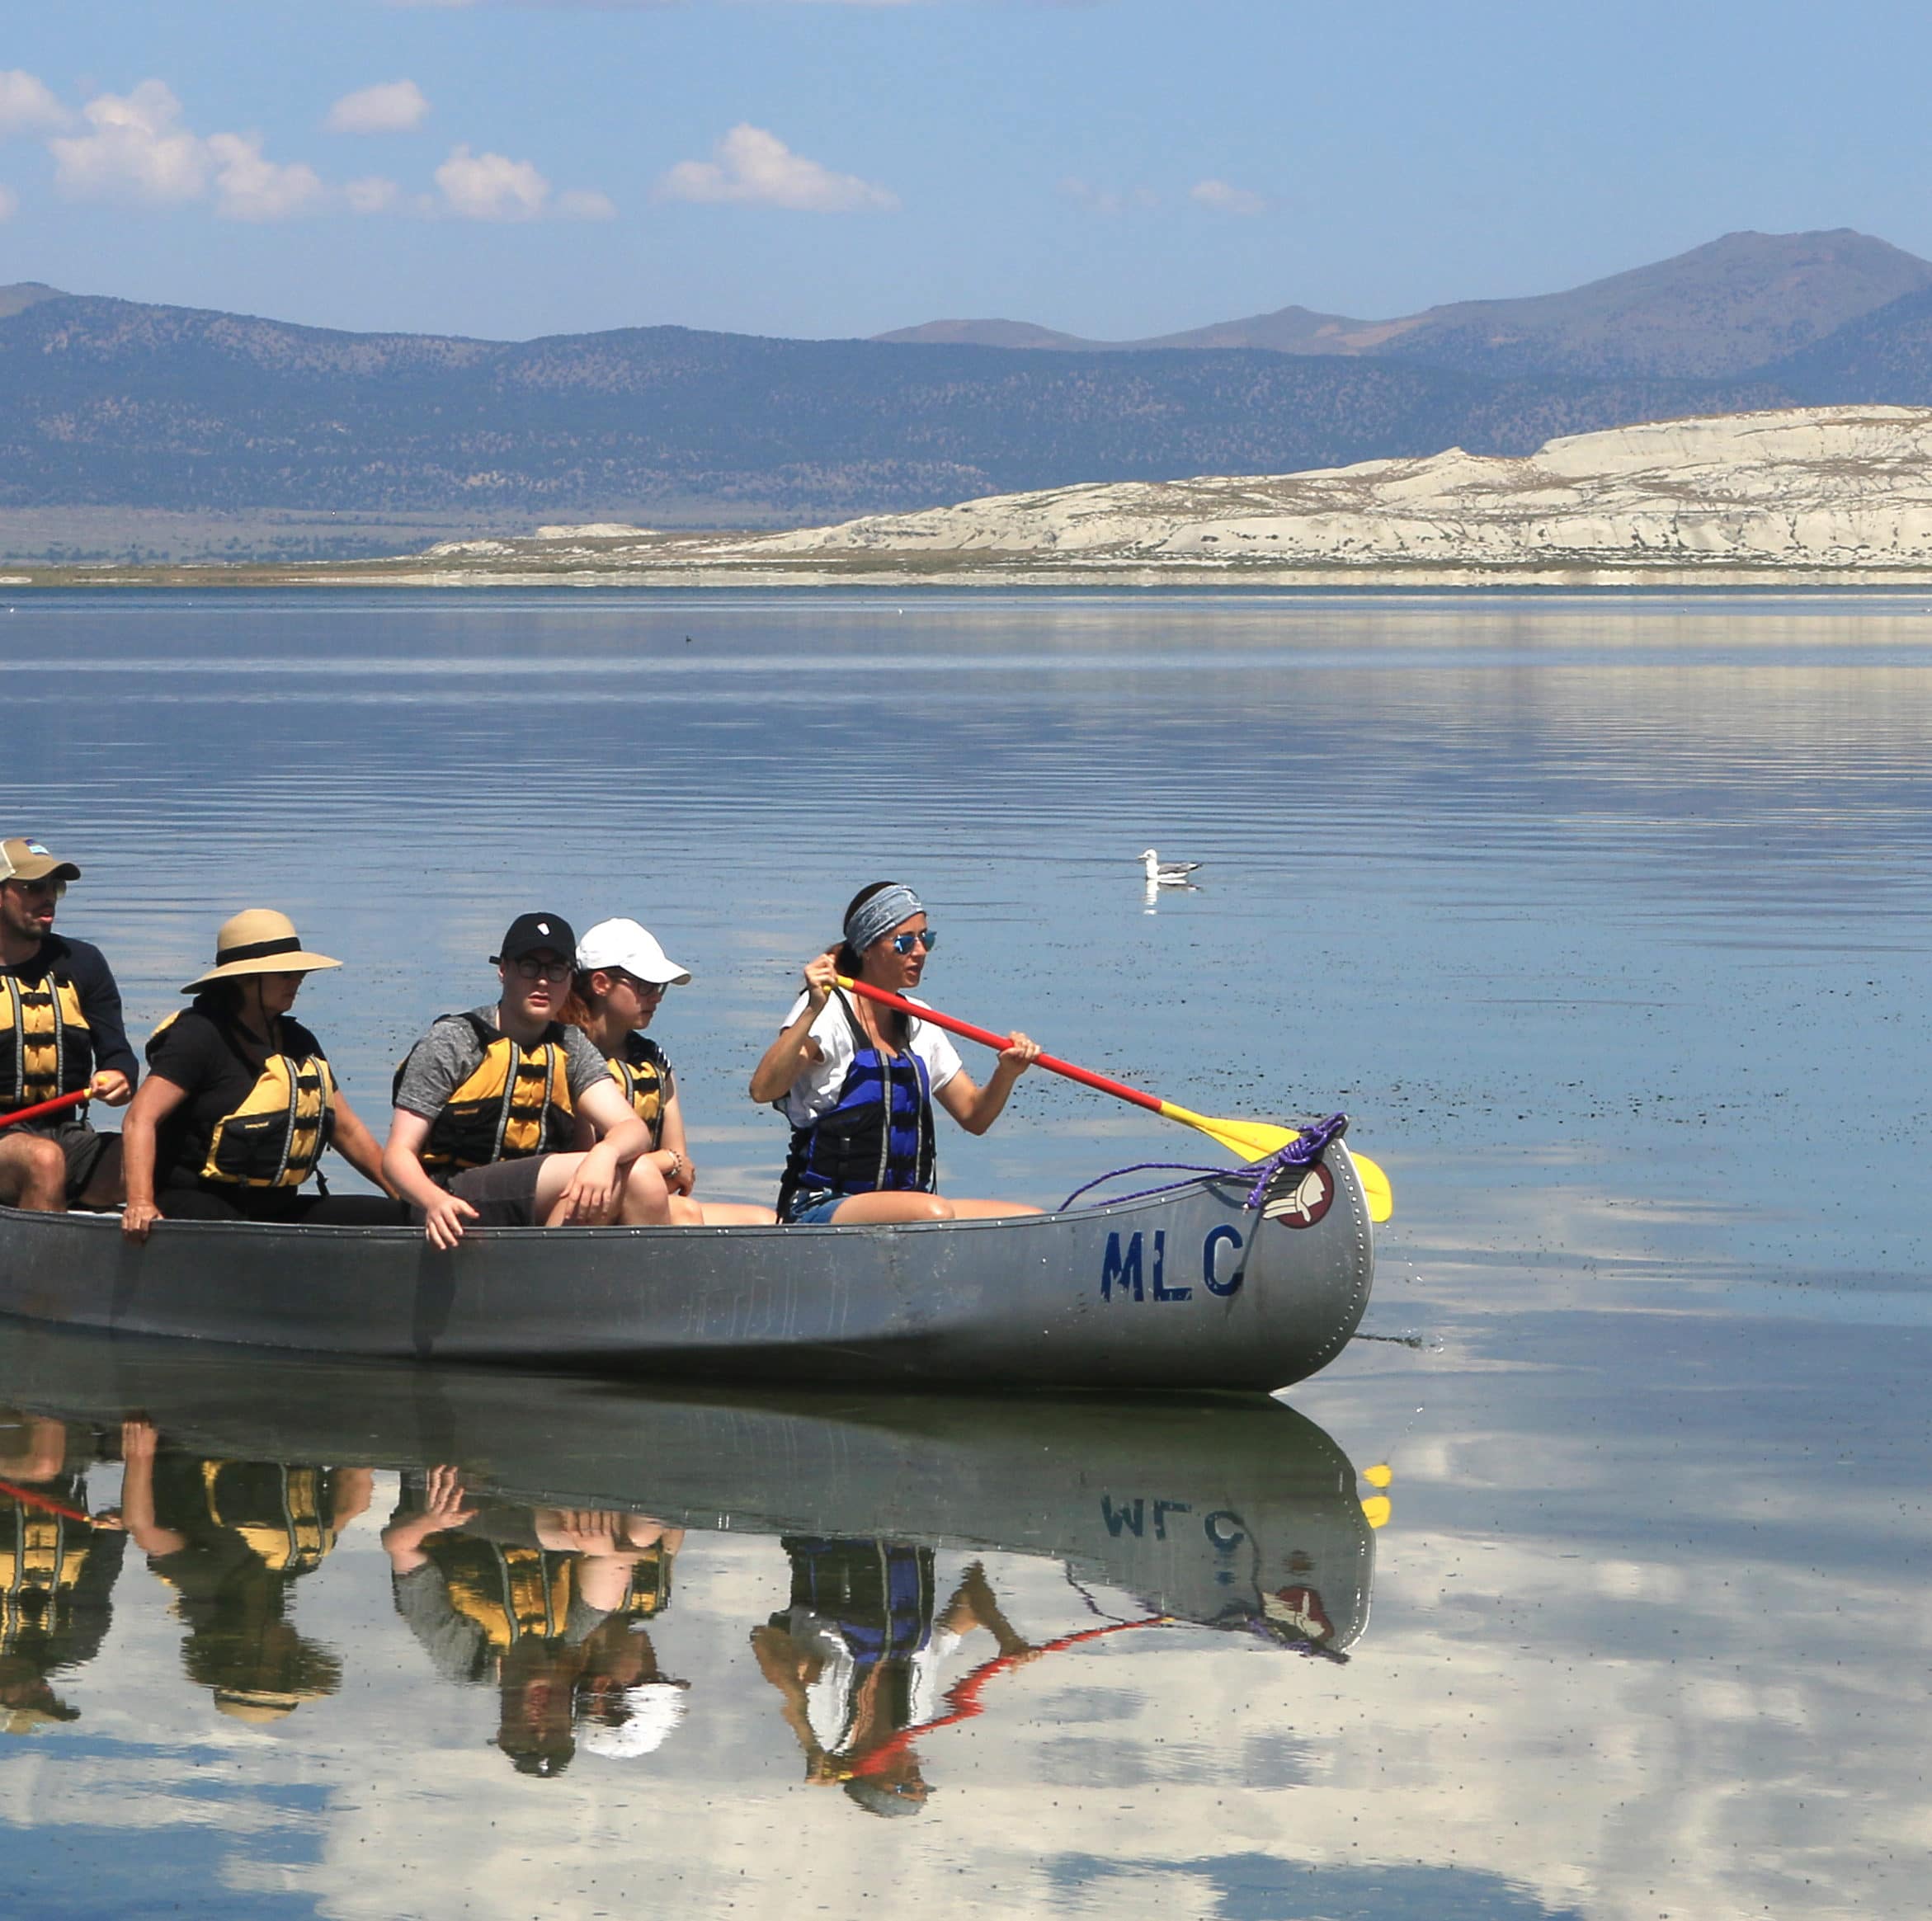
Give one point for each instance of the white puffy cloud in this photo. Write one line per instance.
(490, 186)
(755, 168)
(1224, 199)
(9, 203)
(136, 148)
(247, 187)
(26, 105)
(391, 106)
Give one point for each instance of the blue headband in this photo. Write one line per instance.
(880, 914)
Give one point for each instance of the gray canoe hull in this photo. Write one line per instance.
(1201, 1507)
(1187, 1289)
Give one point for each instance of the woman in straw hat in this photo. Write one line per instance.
(239, 1101)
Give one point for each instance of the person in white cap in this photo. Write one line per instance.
(60, 1033)
(622, 973)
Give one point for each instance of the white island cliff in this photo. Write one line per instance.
(1840, 494)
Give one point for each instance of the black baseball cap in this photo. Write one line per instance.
(528, 932)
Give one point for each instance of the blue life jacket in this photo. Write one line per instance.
(854, 1148)
(879, 1594)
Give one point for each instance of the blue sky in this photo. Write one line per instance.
(821, 167)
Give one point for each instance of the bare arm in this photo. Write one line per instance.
(673, 1156)
(976, 1109)
(353, 1141)
(155, 1101)
(406, 1177)
(138, 1443)
(788, 1055)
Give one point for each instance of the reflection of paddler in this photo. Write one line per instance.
(232, 1537)
(549, 1605)
(58, 1567)
(856, 1657)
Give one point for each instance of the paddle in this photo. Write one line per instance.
(1253, 1140)
(47, 1107)
(964, 1693)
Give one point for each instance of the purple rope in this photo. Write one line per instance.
(1307, 1147)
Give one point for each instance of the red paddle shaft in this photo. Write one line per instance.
(964, 1693)
(986, 1039)
(42, 1500)
(60, 1101)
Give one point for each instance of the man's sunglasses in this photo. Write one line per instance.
(552, 970)
(927, 937)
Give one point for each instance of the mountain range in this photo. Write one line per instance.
(177, 431)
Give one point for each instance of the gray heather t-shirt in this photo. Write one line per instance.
(448, 1054)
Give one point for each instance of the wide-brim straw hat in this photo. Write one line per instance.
(259, 941)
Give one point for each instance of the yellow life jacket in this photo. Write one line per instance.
(41, 1556)
(512, 1592)
(514, 1103)
(276, 1509)
(643, 1074)
(275, 1136)
(46, 1047)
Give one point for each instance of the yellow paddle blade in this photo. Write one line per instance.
(1379, 1476)
(1257, 1140)
(1376, 1510)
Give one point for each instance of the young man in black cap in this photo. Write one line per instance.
(60, 1033)
(487, 1105)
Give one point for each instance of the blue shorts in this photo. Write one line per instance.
(813, 1207)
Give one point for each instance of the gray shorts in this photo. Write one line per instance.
(504, 1194)
(85, 1150)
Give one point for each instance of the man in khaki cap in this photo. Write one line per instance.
(60, 1033)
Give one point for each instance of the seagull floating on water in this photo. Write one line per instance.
(1166, 874)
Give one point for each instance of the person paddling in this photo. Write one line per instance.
(622, 974)
(488, 1102)
(858, 1082)
(240, 1100)
(60, 1033)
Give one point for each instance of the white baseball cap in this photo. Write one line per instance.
(652, 1711)
(623, 943)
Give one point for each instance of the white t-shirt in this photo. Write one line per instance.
(815, 1093)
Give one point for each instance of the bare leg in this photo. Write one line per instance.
(870, 1210)
(553, 1177)
(731, 1214)
(33, 1174)
(991, 1210)
(645, 1201)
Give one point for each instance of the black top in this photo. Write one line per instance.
(217, 1062)
(93, 981)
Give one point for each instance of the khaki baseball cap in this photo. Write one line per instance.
(21, 859)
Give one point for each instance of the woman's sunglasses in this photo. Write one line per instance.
(927, 937)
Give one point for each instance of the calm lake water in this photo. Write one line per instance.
(1605, 918)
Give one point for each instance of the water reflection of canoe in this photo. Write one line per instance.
(1192, 1287)
(1208, 1509)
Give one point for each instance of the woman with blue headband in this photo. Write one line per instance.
(858, 1082)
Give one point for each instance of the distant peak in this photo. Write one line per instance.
(25, 293)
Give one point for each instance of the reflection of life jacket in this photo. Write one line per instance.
(881, 1596)
(276, 1509)
(513, 1593)
(46, 1048)
(853, 1148)
(41, 1557)
(644, 1075)
(514, 1102)
(274, 1137)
